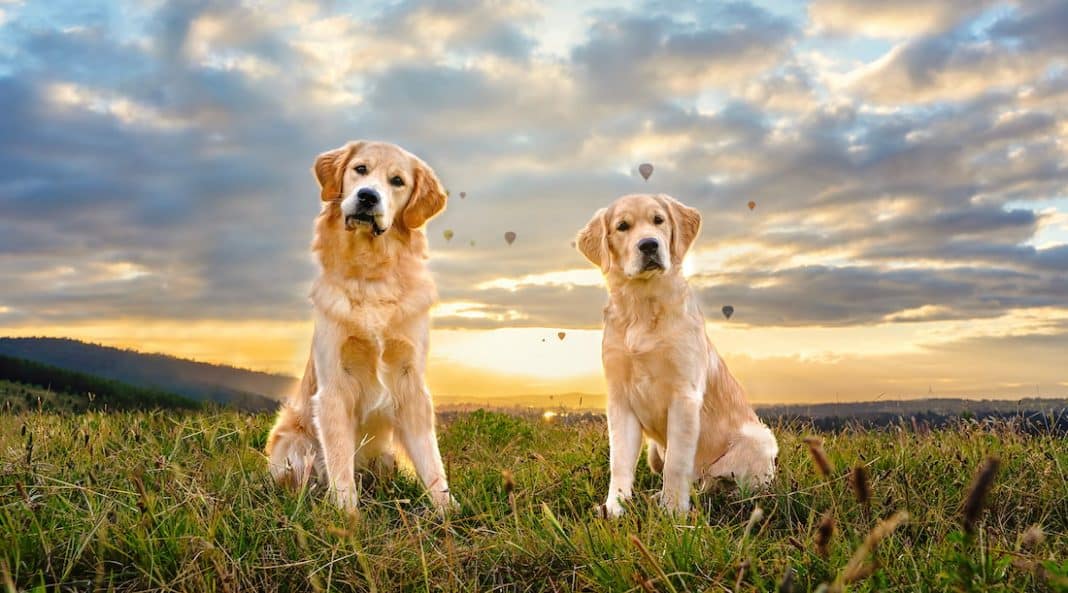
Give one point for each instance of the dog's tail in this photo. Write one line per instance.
(292, 448)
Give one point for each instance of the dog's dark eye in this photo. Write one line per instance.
(623, 227)
(361, 169)
(658, 219)
(396, 181)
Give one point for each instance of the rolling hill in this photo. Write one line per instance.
(28, 385)
(238, 388)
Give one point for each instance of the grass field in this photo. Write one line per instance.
(181, 501)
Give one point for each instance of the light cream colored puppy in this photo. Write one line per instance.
(665, 379)
(363, 384)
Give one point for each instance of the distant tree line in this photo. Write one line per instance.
(114, 394)
(1055, 421)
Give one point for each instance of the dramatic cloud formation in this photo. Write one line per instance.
(907, 161)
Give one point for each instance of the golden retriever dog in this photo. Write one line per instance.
(665, 379)
(364, 383)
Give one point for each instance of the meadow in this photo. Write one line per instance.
(181, 501)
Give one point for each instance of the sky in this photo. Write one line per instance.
(907, 161)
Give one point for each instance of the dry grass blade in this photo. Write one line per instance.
(653, 562)
(823, 464)
(9, 583)
(858, 568)
(740, 575)
(984, 480)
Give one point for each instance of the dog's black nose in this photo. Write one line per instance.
(648, 246)
(367, 197)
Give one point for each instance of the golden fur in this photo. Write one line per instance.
(665, 379)
(364, 381)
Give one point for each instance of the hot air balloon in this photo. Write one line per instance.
(752, 204)
(646, 170)
(448, 234)
(561, 335)
(572, 244)
(728, 311)
(510, 237)
(463, 195)
(472, 242)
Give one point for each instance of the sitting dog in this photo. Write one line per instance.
(665, 379)
(363, 384)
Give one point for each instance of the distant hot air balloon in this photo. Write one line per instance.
(646, 170)
(728, 311)
(463, 195)
(752, 204)
(572, 244)
(472, 242)
(510, 237)
(448, 234)
(561, 335)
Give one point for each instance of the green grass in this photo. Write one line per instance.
(181, 501)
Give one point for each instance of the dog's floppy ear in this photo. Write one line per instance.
(686, 225)
(592, 241)
(428, 196)
(329, 169)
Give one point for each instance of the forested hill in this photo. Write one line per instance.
(28, 385)
(239, 388)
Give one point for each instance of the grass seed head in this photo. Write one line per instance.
(1032, 538)
(984, 480)
(787, 583)
(509, 481)
(824, 533)
(823, 464)
(644, 583)
(859, 480)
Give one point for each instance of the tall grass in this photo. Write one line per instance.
(139, 501)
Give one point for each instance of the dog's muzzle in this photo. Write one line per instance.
(650, 250)
(368, 211)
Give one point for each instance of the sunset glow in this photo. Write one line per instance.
(908, 235)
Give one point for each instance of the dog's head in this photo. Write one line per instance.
(379, 185)
(640, 236)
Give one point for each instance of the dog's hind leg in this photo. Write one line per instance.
(292, 451)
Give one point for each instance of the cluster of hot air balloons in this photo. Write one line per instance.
(559, 335)
(509, 236)
(646, 171)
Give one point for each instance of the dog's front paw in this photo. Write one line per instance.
(444, 502)
(678, 504)
(347, 499)
(612, 508)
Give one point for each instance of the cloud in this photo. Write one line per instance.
(1021, 46)
(157, 164)
(636, 58)
(874, 18)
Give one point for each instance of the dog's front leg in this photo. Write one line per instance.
(683, 431)
(415, 427)
(625, 442)
(334, 425)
